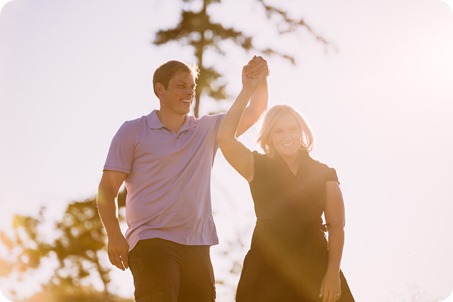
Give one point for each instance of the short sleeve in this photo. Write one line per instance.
(218, 120)
(259, 164)
(331, 174)
(121, 153)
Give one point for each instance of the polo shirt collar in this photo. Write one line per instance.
(154, 122)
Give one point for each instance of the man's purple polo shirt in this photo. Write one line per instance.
(169, 178)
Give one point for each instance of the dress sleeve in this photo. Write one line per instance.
(258, 166)
(331, 174)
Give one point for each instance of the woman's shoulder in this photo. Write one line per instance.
(262, 163)
(261, 158)
(258, 154)
(327, 171)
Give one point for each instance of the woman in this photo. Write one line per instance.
(290, 258)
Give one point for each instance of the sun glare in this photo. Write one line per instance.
(3, 2)
(449, 3)
(2, 298)
(450, 298)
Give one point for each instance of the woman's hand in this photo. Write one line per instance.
(330, 287)
(254, 72)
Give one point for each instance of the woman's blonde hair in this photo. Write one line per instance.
(271, 118)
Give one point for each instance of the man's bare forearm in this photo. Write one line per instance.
(108, 211)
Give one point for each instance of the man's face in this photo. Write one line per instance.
(179, 94)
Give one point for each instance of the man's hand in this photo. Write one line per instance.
(254, 72)
(118, 251)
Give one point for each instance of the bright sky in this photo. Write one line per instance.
(72, 71)
(3, 299)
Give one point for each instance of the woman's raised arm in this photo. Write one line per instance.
(239, 157)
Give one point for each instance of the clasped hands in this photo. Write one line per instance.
(255, 71)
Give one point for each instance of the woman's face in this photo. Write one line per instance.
(285, 136)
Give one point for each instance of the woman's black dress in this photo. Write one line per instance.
(288, 255)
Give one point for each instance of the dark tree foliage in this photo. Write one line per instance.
(197, 30)
(77, 245)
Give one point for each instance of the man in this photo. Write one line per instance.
(165, 160)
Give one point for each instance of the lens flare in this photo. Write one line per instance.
(2, 298)
(449, 3)
(450, 298)
(3, 2)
